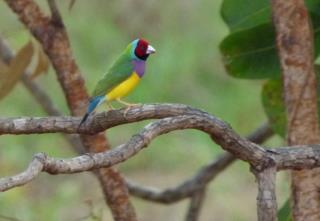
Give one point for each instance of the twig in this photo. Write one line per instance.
(266, 200)
(185, 189)
(195, 206)
(55, 14)
(198, 181)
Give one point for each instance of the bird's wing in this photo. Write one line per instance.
(119, 72)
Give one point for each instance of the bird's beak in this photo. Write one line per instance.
(150, 50)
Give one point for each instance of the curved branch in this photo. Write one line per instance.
(198, 181)
(258, 157)
(90, 161)
(186, 189)
(188, 118)
(96, 123)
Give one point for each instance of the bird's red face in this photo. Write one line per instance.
(143, 49)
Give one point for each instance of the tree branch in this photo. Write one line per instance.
(53, 37)
(198, 181)
(195, 206)
(259, 158)
(219, 131)
(55, 14)
(266, 200)
(295, 44)
(185, 189)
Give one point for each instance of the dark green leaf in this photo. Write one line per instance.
(251, 53)
(274, 107)
(244, 14)
(284, 213)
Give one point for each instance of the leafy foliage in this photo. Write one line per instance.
(249, 51)
(245, 14)
(274, 107)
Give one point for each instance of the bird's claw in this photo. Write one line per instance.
(128, 108)
(110, 106)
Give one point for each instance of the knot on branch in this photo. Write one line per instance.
(265, 164)
(42, 157)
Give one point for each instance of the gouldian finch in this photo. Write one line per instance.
(123, 76)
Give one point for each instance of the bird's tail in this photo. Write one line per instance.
(94, 102)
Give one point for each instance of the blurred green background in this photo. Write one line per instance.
(187, 69)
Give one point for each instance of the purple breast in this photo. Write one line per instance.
(139, 67)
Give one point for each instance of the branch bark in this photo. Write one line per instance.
(52, 35)
(295, 46)
(195, 206)
(219, 131)
(198, 181)
(301, 157)
(186, 188)
(266, 200)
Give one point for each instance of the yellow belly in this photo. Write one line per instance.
(124, 88)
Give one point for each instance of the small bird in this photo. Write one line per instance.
(123, 76)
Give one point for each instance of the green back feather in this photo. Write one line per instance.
(121, 69)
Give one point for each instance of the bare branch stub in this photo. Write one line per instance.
(266, 200)
(195, 206)
(55, 14)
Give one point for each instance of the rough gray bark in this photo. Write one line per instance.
(295, 46)
(198, 181)
(195, 206)
(300, 157)
(266, 200)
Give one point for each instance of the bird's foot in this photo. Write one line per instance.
(126, 103)
(128, 108)
(110, 107)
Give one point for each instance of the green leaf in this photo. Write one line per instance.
(274, 106)
(244, 14)
(272, 100)
(251, 53)
(284, 213)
